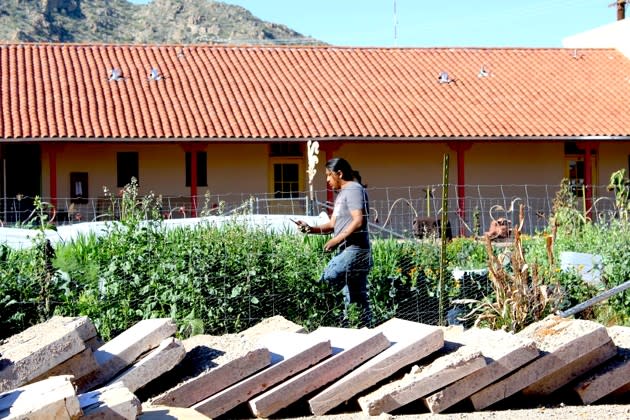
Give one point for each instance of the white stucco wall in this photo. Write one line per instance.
(614, 35)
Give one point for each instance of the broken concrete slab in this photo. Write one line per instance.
(422, 381)
(111, 402)
(560, 342)
(211, 365)
(611, 376)
(124, 349)
(410, 342)
(504, 352)
(163, 358)
(39, 348)
(82, 366)
(291, 353)
(571, 371)
(52, 398)
(351, 348)
(81, 324)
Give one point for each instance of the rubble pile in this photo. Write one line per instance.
(60, 369)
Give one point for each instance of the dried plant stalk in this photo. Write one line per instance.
(520, 295)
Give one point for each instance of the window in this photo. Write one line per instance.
(287, 168)
(286, 180)
(202, 169)
(285, 150)
(127, 168)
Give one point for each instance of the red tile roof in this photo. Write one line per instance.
(235, 92)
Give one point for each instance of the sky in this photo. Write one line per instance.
(430, 23)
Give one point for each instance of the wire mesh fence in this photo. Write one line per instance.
(232, 311)
(394, 210)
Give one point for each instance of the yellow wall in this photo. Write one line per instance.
(241, 169)
(612, 157)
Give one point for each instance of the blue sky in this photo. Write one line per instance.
(429, 23)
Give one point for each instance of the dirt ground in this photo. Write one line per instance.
(592, 412)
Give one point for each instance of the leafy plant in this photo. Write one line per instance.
(621, 186)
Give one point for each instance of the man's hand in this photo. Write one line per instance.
(331, 245)
(303, 226)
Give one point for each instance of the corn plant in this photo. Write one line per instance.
(520, 295)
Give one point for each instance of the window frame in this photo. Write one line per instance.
(300, 172)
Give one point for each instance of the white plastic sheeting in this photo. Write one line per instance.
(24, 238)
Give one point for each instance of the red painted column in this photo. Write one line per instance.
(460, 149)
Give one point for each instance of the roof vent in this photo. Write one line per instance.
(180, 53)
(443, 77)
(155, 74)
(115, 75)
(575, 54)
(483, 72)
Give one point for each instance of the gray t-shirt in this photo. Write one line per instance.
(352, 197)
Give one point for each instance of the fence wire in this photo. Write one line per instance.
(393, 209)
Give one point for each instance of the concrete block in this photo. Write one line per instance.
(52, 398)
(571, 371)
(160, 360)
(82, 366)
(124, 349)
(351, 348)
(291, 353)
(611, 377)
(111, 402)
(211, 365)
(560, 342)
(81, 324)
(410, 342)
(36, 350)
(422, 381)
(504, 352)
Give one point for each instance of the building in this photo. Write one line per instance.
(227, 122)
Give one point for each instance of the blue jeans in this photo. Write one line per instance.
(348, 272)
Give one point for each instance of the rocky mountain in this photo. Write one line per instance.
(120, 21)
